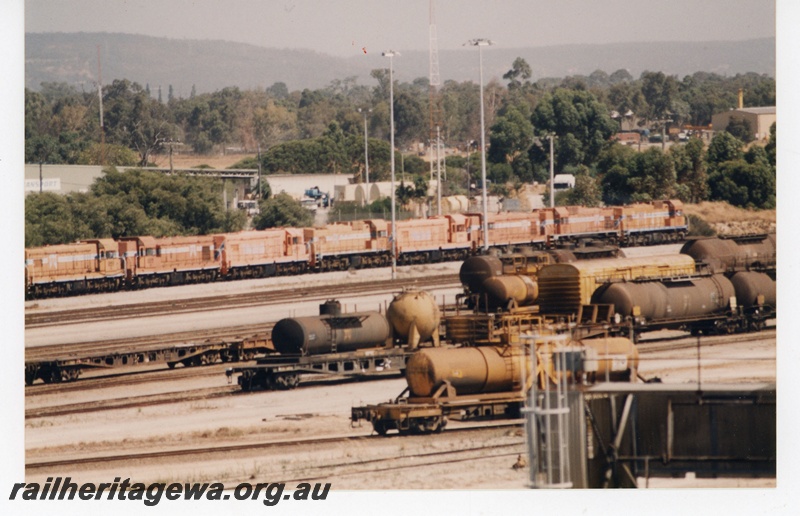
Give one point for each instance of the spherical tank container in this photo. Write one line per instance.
(502, 290)
(477, 269)
(414, 316)
(750, 285)
(318, 335)
(668, 300)
(471, 370)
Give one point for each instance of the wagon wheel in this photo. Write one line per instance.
(30, 374)
(54, 376)
(193, 361)
(381, 427)
(433, 425)
(294, 381)
(286, 381)
(70, 375)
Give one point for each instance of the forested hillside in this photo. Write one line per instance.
(208, 66)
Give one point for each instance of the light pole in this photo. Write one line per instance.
(480, 43)
(390, 54)
(552, 175)
(366, 149)
(438, 170)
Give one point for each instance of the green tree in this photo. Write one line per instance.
(135, 120)
(580, 121)
(772, 144)
(615, 186)
(278, 90)
(142, 202)
(420, 188)
(740, 128)
(511, 136)
(409, 117)
(587, 191)
(620, 76)
(404, 193)
(659, 92)
(744, 184)
(48, 220)
(626, 96)
(653, 176)
(690, 169)
(723, 147)
(334, 150)
(520, 71)
(282, 210)
(757, 155)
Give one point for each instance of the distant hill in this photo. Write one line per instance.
(212, 65)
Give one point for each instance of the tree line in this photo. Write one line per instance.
(322, 131)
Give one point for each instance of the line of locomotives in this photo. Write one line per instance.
(107, 265)
(552, 290)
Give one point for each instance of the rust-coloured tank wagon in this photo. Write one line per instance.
(730, 255)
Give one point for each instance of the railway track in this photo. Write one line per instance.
(230, 301)
(128, 402)
(200, 452)
(676, 343)
(144, 343)
(654, 345)
(414, 461)
(125, 379)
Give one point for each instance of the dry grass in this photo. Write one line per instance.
(730, 220)
(217, 161)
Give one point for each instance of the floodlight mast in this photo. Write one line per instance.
(480, 43)
(390, 54)
(366, 112)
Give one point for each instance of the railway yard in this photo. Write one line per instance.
(193, 424)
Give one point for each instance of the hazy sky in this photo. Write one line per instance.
(346, 27)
